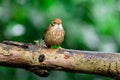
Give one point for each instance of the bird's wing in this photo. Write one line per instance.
(43, 35)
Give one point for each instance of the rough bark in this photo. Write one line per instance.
(41, 60)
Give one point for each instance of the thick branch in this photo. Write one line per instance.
(40, 60)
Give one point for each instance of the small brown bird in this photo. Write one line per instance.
(54, 34)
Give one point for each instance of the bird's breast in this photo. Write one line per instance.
(55, 36)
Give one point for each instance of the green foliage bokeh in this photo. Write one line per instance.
(88, 24)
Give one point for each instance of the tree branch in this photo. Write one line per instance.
(40, 60)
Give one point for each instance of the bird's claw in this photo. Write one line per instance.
(60, 48)
(44, 46)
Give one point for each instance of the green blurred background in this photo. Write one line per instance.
(89, 25)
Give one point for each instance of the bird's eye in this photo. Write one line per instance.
(55, 23)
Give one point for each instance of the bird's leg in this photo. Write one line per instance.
(46, 46)
(60, 48)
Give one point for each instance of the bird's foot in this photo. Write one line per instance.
(44, 46)
(60, 48)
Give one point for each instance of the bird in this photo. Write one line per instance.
(54, 34)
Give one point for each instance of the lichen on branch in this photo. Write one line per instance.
(40, 60)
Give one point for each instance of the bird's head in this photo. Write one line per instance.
(57, 23)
